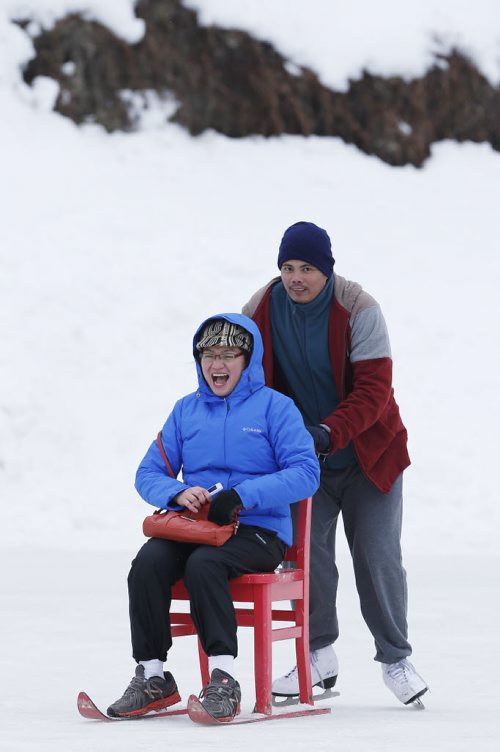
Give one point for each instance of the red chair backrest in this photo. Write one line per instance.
(299, 552)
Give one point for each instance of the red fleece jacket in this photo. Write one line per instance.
(367, 414)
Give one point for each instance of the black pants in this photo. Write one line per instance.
(206, 571)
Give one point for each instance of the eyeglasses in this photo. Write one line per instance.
(225, 357)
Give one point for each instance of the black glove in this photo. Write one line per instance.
(321, 438)
(223, 506)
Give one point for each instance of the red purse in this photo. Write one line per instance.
(186, 526)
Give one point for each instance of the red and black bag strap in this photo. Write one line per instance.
(164, 455)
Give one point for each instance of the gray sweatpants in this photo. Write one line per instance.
(372, 524)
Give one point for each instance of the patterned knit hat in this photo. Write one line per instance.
(222, 332)
(306, 241)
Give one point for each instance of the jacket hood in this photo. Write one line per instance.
(252, 377)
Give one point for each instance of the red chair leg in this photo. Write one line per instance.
(263, 650)
(205, 675)
(303, 656)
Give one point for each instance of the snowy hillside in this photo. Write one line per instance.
(115, 247)
(340, 39)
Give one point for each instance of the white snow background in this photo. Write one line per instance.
(113, 248)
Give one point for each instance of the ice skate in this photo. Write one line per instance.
(402, 679)
(324, 671)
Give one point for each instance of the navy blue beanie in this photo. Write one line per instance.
(307, 242)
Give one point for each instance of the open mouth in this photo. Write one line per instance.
(220, 379)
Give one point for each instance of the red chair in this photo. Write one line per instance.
(262, 590)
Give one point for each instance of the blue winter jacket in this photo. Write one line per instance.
(253, 440)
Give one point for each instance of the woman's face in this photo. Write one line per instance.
(222, 368)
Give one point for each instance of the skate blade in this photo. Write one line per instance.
(88, 709)
(418, 704)
(198, 714)
(283, 701)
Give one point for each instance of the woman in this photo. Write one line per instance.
(235, 431)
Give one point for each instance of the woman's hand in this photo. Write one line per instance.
(192, 498)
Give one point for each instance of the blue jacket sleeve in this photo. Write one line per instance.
(298, 476)
(152, 480)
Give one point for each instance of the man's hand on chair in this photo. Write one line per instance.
(321, 438)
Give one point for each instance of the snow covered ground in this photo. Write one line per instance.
(112, 250)
(67, 630)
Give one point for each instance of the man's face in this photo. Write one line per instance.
(222, 368)
(302, 281)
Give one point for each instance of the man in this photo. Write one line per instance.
(326, 345)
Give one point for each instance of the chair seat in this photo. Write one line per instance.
(264, 578)
(284, 576)
(287, 584)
